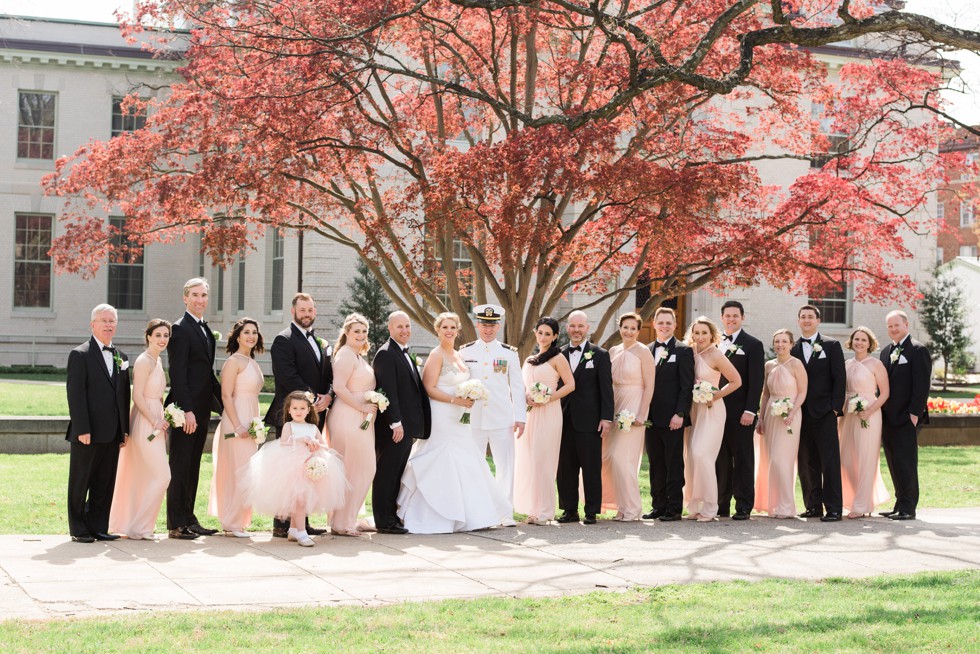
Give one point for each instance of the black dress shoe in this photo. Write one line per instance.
(589, 519)
(99, 536)
(202, 531)
(182, 533)
(567, 517)
(902, 515)
(831, 517)
(653, 515)
(85, 538)
(812, 513)
(670, 517)
(312, 531)
(392, 529)
(887, 514)
(740, 515)
(280, 532)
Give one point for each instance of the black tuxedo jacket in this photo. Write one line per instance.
(98, 403)
(193, 384)
(674, 386)
(592, 399)
(826, 377)
(295, 368)
(752, 367)
(408, 403)
(908, 382)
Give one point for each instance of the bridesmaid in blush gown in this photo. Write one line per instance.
(536, 456)
(779, 437)
(702, 440)
(143, 473)
(241, 383)
(633, 372)
(860, 446)
(447, 485)
(352, 378)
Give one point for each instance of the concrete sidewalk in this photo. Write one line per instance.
(52, 577)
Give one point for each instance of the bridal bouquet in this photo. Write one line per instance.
(782, 408)
(316, 468)
(377, 398)
(257, 430)
(540, 394)
(704, 392)
(626, 419)
(174, 416)
(471, 389)
(857, 404)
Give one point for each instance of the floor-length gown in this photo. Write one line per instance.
(355, 445)
(775, 481)
(622, 450)
(143, 473)
(702, 441)
(860, 447)
(536, 452)
(231, 455)
(447, 485)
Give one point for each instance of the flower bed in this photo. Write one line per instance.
(941, 406)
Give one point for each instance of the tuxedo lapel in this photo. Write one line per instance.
(400, 354)
(581, 362)
(95, 351)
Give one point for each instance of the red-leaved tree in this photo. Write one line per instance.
(564, 145)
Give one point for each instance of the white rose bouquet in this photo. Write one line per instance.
(625, 420)
(174, 416)
(257, 431)
(782, 409)
(471, 389)
(857, 404)
(540, 394)
(377, 398)
(704, 392)
(316, 468)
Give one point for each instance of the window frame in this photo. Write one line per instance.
(42, 247)
(53, 128)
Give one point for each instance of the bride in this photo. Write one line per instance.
(447, 485)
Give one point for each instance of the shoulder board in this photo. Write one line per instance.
(509, 347)
(467, 344)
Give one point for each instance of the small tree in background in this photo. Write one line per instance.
(944, 317)
(368, 298)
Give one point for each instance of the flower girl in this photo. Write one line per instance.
(297, 474)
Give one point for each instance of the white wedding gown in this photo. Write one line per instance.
(447, 485)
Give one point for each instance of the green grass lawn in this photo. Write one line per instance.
(33, 489)
(932, 612)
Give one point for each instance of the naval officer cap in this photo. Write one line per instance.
(488, 313)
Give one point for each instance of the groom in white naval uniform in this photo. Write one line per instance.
(496, 421)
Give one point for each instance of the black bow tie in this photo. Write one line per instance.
(808, 340)
(108, 348)
(577, 348)
(727, 337)
(309, 334)
(405, 350)
(661, 344)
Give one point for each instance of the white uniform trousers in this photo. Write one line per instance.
(502, 448)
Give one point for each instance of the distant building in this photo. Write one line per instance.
(957, 204)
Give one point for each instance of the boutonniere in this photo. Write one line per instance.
(217, 335)
(896, 353)
(414, 358)
(322, 343)
(118, 360)
(729, 348)
(661, 355)
(818, 348)
(588, 355)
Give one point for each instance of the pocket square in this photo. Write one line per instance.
(902, 359)
(672, 359)
(823, 355)
(740, 352)
(124, 366)
(589, 365)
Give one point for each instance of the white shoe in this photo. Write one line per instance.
(293, 534)
(237, 534)
(304, 539)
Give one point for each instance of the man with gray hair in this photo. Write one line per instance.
(98, 411)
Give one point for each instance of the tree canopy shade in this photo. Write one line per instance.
(560, 145)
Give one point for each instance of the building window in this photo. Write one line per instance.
(125, 274)
(278, 248)
(966, 214)
(240, 305)
(968, 251)
(35, 128)
(32, 265)
(839, 143)
(123, 122)
(940, 212)
(463, 264)
(835, 306)
(939, 256)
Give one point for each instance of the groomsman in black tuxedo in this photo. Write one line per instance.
(300, 362)
(195, 389)
(735, 466)
(98, 411)
(819, 457)
(587, 414)
(408, 417)
(909, 368)
(670, 413)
